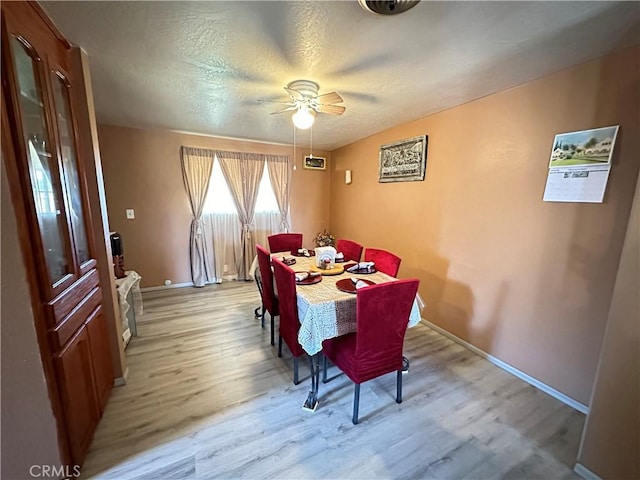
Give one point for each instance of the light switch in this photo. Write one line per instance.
(130, 214)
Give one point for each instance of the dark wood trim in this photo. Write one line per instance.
(52, 111)
(78, 447)
(88, 265)
(13, 108)
(66, 328)
(45, 18)
(60, 183)
(103, 373)
(65, 75)
(77, 368)
(25, 15)
(64, 303)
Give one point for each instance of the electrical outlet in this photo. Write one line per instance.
(131, 214)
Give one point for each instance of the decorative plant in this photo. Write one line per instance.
(325, 239)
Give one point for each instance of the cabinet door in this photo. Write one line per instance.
(49, 183)
(37, 73)
(43, 177)
(101, 357)
(75, 377)
(74, 189)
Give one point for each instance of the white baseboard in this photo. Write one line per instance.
(164, 287)
(182, 285)
(512, 370)
(585, 473)
(119, 381)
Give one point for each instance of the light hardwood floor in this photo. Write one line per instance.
(208, 397)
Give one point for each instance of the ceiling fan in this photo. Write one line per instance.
(307, 103)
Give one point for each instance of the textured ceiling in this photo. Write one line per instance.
(202, 66)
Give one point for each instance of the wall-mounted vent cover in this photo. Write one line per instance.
(387, 7)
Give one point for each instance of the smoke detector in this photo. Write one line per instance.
(387, 7)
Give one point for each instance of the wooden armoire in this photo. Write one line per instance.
(48, 182)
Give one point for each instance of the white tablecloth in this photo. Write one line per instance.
(326, 312)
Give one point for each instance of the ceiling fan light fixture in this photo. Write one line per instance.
(305, 87)
(303, 118)
(305, 103)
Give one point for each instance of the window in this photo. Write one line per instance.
(43, 194)
(220, 200)
(266, 201)
(223, 226)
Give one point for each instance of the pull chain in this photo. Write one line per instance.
(294, 147)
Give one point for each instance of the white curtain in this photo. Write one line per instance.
(265, 224)
(232, 236)
(280, 176)
(196, 173)
(243, 172)
(224, 230)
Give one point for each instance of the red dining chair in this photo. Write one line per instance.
(386, 262)
(285, 242)
(382, 315)
(269, 299)
(350, 249)
(289, 323)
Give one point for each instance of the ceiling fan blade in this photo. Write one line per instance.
(275, 101)
(331, 109)
(294, 94)
(331, 97)
(287, 109)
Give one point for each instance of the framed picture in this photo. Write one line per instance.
(583, 148)
(314, 163)
(403, 161)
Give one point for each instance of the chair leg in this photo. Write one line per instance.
(324, 368)
(295, 371)
(399, 387)
(273, 329)
(356, 404)
(405, 364)
(279, 345)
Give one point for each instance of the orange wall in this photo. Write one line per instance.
(527, 281)
(611, 440)
(142, 171)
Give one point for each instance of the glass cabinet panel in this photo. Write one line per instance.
(42, 164)
(70, 167)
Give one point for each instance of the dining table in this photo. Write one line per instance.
(325, 311)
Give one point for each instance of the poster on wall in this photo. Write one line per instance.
(403, 161)
(579, 166)
(314, 163)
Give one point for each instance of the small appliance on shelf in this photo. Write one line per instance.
(118, 257)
